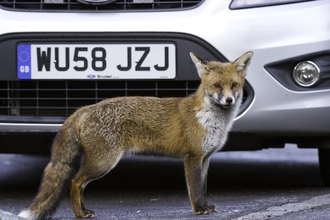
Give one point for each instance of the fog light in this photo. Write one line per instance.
(306, 73)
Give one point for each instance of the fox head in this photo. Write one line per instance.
(223, 82)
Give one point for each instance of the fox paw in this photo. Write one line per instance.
(86, 214)
(205, 210)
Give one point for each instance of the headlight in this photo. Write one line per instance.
(306, 73)
(240, 4)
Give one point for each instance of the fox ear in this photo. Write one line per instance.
(243, 62)
(201, 65)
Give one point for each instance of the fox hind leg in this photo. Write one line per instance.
(90, 170)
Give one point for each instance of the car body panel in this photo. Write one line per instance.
(274, 34)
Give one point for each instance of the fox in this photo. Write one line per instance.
(98, 135)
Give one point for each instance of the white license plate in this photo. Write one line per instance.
(95, 61)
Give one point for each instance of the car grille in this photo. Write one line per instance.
(62, 98)
(118, 5)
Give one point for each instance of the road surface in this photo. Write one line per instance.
(268, 184)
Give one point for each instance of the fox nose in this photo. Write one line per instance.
(229, 100)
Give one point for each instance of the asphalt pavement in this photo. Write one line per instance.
(267, 184)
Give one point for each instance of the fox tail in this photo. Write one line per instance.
(65, 154)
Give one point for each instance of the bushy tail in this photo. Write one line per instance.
(57, 175)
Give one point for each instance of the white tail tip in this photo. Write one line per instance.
(27, 215)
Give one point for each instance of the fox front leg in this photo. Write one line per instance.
(205, 168)
(193, 171)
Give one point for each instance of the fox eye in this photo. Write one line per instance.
(217, 85)
(234, 85)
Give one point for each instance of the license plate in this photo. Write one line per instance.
(95, 61)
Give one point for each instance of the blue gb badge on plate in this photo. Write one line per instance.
(24, 61)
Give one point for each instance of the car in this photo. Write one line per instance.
(59, 55)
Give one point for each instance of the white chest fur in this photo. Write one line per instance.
(217, 122)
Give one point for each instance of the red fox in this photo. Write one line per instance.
(193, 128)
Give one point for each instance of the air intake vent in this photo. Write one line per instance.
(54, 101)
(62, 98)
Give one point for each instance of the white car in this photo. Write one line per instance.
(59, 55)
